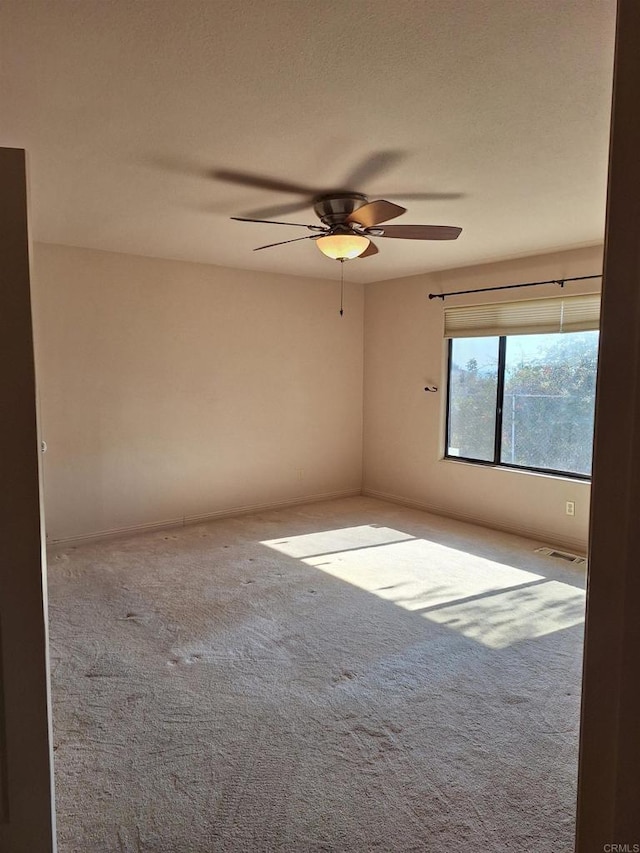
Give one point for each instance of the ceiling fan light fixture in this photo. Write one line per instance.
(340, 247)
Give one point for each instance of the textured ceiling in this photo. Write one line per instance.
(128, 109)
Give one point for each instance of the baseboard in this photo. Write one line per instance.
(573, 545)
(167, 524)
(577, 546)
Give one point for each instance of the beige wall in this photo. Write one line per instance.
(170, 390)
(404, 426)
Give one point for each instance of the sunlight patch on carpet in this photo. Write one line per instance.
(332, 541)
(490, 602)
(500, 619)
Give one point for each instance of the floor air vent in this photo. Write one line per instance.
(562, 555)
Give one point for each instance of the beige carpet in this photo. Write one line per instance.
(344, 676)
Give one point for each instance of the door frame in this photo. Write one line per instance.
(27, 811)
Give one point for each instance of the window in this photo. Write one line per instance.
(522, 400)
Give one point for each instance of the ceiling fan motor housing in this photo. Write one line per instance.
(334, 208)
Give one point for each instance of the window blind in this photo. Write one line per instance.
(525, 317)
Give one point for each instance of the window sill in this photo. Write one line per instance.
(531, 472)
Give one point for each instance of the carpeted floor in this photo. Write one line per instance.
(345, 676)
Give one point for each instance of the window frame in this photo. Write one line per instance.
(497, 444)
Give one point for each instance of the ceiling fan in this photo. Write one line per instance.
(349, 220)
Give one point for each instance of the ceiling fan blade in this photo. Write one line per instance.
(421, 232)
(295, 240)
(271, 222)
(246, 179)
(375, 212)
(372, 166)
(371, 249)
(280, 209)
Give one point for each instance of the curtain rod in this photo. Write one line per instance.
(560, 281)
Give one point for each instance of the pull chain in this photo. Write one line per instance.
(342, 260)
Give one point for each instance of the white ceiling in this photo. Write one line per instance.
(127, 107)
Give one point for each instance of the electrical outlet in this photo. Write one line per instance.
(570, 507)
(300, 473)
